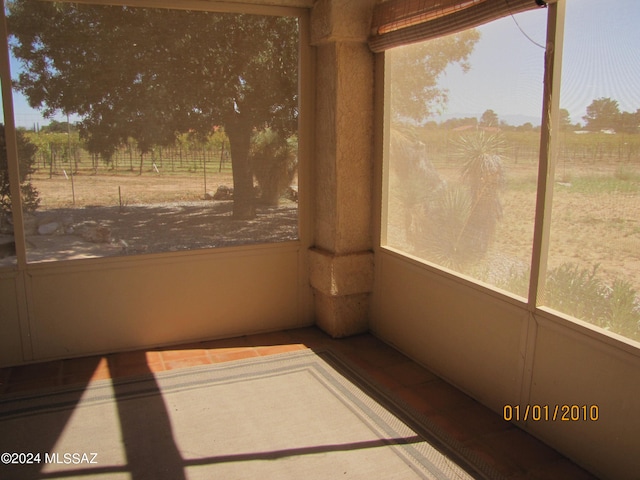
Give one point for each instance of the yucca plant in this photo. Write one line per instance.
(466, 215)
(450, 216)
(483, 173)
(450, 223)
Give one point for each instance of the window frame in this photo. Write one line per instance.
(298, 9)
(548, 148)
(544, 194)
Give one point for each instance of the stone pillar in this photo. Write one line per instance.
(342, 259)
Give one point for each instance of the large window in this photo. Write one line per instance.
(154, 130)
(464, 132)
(593, 269)
(464, 139)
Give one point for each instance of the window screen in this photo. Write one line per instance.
(593, 270)
(156, 130)
(463, 135)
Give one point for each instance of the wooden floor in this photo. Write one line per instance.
(512, 452)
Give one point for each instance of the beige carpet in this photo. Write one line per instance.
(300, 415)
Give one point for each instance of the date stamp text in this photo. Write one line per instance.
(551, 413)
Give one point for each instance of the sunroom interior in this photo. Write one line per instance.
(358, 262)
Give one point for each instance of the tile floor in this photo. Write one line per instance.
(512, 452)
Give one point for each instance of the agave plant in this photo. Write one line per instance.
(450, 216)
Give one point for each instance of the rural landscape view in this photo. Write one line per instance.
(192, 142)
(163, 130)
(463, 167)
(170, 199)
(478, 218)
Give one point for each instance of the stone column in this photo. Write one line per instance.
(341, 261)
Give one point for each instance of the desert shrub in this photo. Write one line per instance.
(581, 293)
(576, 291)
(26, 156)
(274, 162)
(416, 184)
(626, 173)
(623, 314)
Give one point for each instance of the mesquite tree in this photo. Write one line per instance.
(152, 74)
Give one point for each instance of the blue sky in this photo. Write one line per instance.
(24, 115)
(602, 54)
(601, 59)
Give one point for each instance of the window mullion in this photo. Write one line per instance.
(548, 151)
(11, 144)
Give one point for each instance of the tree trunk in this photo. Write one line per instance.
(239, 133)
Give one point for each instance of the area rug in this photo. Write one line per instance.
(301, 415)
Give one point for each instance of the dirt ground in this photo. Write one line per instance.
(589, 229)
(157, 213)
(124, 215)
(586, 230)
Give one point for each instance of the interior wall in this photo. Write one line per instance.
(491, 347)
(573, 365)
(108, 305)
(436, 321)
(10, 338)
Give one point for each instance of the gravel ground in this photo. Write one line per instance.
(99, 231)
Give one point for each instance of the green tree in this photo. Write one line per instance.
(414, 71)
(489, 119)
(565, 119)
(628, 122)
(55, 126)
(151, 74)
(26, 155)
(603, 113)
(460, 122)
(525, 127)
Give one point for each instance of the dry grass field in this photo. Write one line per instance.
(595, 219)
(108, 190)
